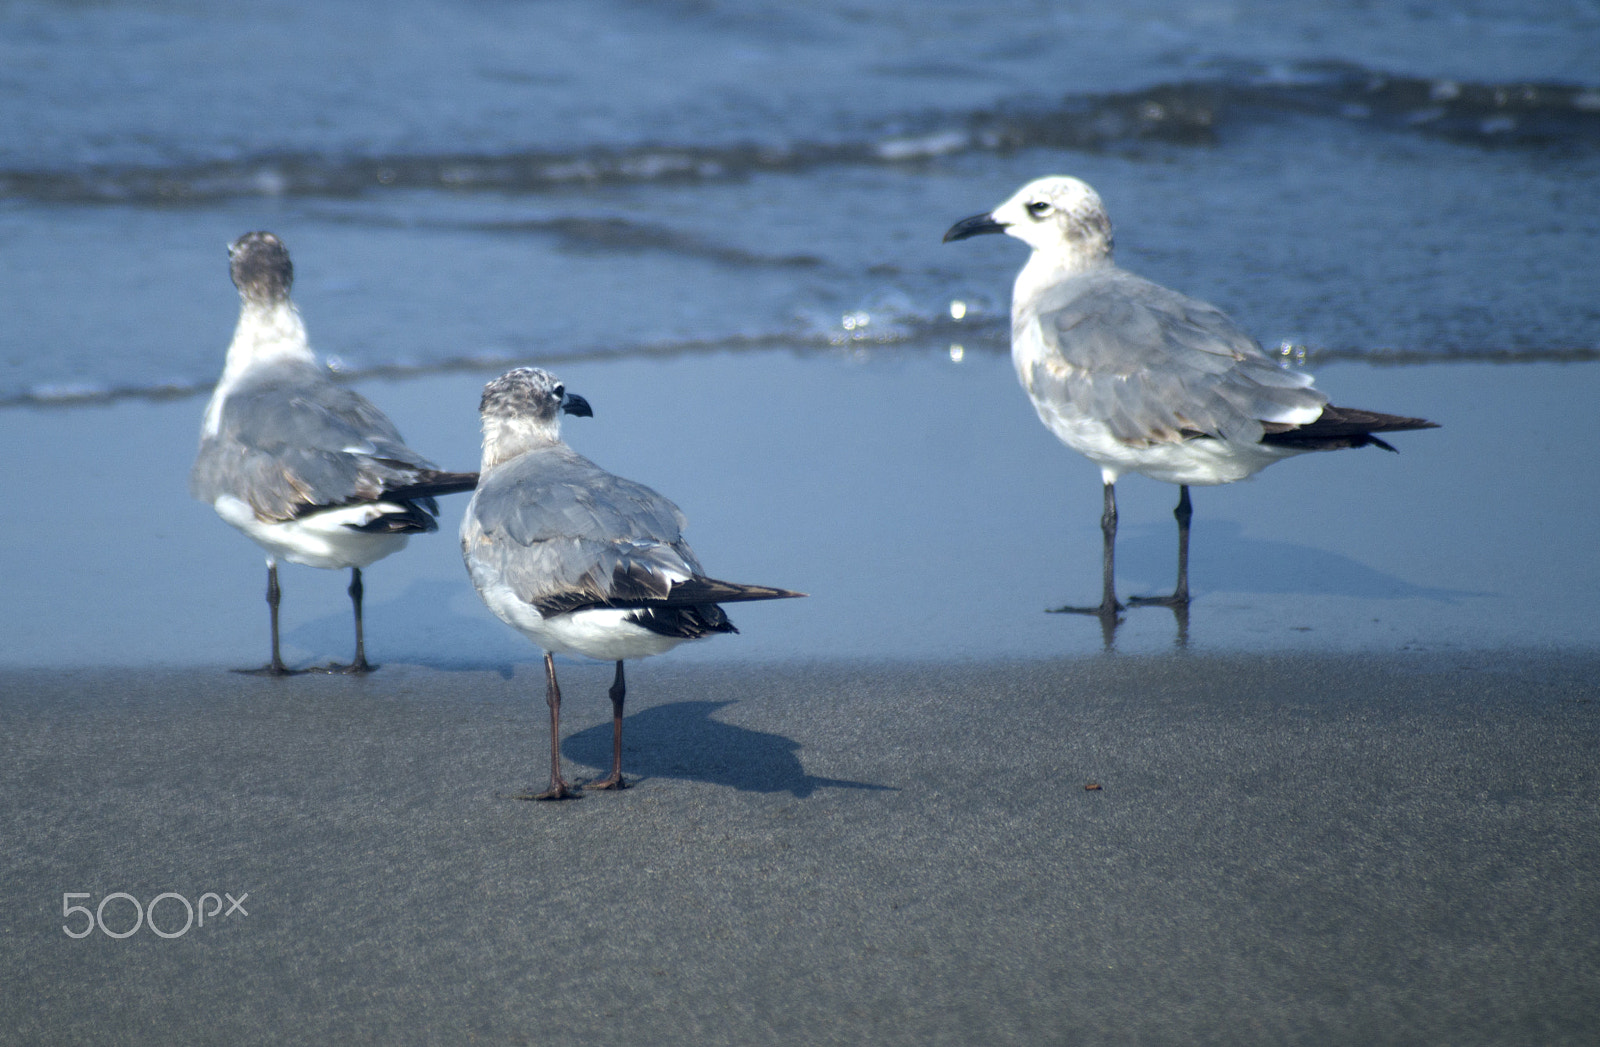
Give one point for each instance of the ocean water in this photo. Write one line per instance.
(720, 221)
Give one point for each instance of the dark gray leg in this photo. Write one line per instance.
(1180, 593)
(1108, 532)
(357, 591)
(1107, 611)
(559, 790)
(614, 780)
(1184, 512)
(359, 664)
(274, 597)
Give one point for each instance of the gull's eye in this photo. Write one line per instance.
(560, 392)
(1039, 208)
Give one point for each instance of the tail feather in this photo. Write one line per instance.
(710, 590)
(1340, 427)
(690, 609)
(416, 508)
(408, 518)
(694, 593)
(430, 483)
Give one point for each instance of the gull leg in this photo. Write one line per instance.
(359, 664)
(1183, 513)
(274, 597)
(1108, 532)
(1107, 611)
(614, 780)
(1180, 593)
(559, 789)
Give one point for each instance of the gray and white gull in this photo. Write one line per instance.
(1142, 379)
(578, 560)
(310, 470)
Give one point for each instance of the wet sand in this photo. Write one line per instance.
(921, 534)
(1376, 848)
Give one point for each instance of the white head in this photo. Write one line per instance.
(522, 410)
(1057, 216)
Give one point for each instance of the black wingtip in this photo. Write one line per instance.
(431, 485)
(735, 592)
(1342, 427)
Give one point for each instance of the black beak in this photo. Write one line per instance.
(575, 404)
(974, 226)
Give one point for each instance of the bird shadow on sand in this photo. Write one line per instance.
(684, 740)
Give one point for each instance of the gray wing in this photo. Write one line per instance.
(1157, 366)
(562, 532)
(291, 441)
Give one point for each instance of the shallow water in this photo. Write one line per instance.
(720, 222)
(917, 499)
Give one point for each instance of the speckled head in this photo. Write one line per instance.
(530, 392)
(261, 268)
(521, 410)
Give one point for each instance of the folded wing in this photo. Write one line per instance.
(1156, 366)
(291, 442)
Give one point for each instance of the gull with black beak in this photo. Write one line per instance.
(578, 560)
(307, 468)
(1142, 379)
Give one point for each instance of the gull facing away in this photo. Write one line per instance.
(1142, 379)
(578, 560)
(310, 470)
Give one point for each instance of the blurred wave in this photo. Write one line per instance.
(1508, 115)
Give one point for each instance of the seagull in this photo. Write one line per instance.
(308, 469)
(1139, 378)
(578, 560)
